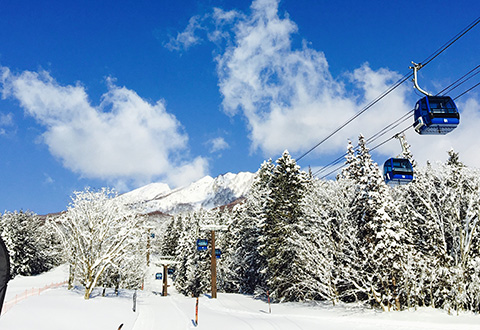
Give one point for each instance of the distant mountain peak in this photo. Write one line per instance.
(206, 192)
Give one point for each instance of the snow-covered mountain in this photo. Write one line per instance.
(205, 193)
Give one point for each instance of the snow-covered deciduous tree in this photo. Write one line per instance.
(99, 234)
(444, 202)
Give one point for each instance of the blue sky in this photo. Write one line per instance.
(124, 93)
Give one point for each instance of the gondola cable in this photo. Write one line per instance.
(395, 85)
(377, 146)
(468, 90)
(371, 139)
(378, 135)
(460, 81)
(400, 120)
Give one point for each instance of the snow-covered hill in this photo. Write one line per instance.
(206, 193)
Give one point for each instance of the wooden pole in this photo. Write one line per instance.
(148, 247)
(213, 267)
(165, 280)
(268, 298)
(196, 313)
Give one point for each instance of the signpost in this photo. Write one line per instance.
(213, 261)
(165, 262)
(4, 271)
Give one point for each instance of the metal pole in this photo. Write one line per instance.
(214, 267)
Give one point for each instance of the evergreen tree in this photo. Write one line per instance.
(284, 231)
(246, 231)
(380, 249)
(193, 271)
(25, 238)
(351, 168)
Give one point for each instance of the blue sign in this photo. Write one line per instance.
(202, 244)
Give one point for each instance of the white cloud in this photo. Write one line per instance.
(188, 37)
(6, 119)
(124, 139)
(287, 95)
(218, 144)
(290, 99)
(198, 25)
(48, 179)
(6, 124)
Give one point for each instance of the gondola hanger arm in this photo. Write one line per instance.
(401, 138)
(415, 68)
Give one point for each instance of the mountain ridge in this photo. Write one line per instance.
(207, 193)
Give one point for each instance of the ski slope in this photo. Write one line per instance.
(60, 309)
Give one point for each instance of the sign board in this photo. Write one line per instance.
(202, 244)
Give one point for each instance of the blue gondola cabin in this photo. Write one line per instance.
(436, 115)
(397, 171)
(218, 253)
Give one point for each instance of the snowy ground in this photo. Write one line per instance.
(67, 310)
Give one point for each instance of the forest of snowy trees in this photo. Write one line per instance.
(103, 241)
(353, 239)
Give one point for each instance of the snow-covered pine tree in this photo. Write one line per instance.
(338, 235)
(182, 253)
(246, 231)
(171, 236)
(351, 167)
(223, 240)
(193, 271)
(286, 247)
(380, 249)
(23, 234)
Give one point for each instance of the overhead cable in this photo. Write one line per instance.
(460, 81)
(396, 84)
(378, 135)
(371, 139)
